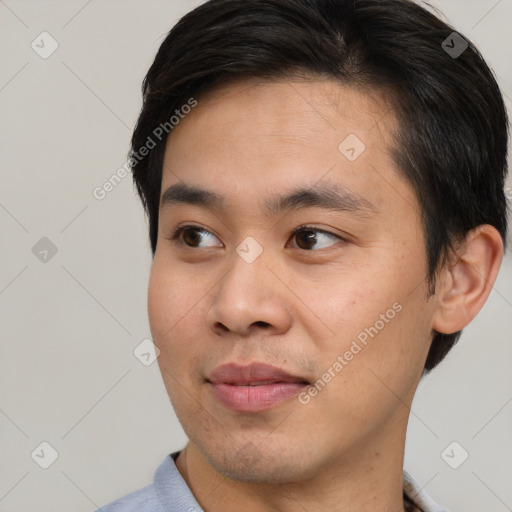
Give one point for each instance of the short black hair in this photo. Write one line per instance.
(452, 138)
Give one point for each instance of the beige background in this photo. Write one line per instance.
(68, 374)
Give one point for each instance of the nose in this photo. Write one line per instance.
(249, 298)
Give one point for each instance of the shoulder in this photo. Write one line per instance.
(167, 493)
(143, 499)
(418, 496)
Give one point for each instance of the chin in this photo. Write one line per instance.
(252, 465)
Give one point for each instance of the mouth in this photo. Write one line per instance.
(255, 387)
(262, 383)
(254, 374)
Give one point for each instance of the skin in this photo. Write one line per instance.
(296, 307)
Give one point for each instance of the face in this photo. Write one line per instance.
(327, 287)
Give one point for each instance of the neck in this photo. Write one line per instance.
(367, 478)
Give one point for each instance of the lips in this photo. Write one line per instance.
(253, 388)
(252, 375)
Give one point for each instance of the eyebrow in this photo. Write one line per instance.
(329, 196)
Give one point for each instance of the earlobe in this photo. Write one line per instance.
(468, 279)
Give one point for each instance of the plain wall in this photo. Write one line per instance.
(68, 374)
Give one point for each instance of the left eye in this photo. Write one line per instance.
(313, 238)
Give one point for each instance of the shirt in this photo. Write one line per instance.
(170, 493)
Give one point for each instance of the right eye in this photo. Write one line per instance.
(191, 236)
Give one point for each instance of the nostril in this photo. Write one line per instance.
(260, 323)
(220, 327)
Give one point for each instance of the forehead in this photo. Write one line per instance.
(305, 109)
(253, 137)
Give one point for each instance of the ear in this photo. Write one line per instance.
(466, 281)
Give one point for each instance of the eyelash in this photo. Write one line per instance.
(300, 229)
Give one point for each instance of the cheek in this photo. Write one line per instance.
(169, 311)
(348, 299)
(379, 325)
(177, 308)
(368, 383)
(172, 300)
(382, 359)
(173, 311)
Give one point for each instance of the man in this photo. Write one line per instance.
(324, 186)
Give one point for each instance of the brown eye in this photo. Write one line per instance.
(306, 239)
(312, 238)
(192, 236)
